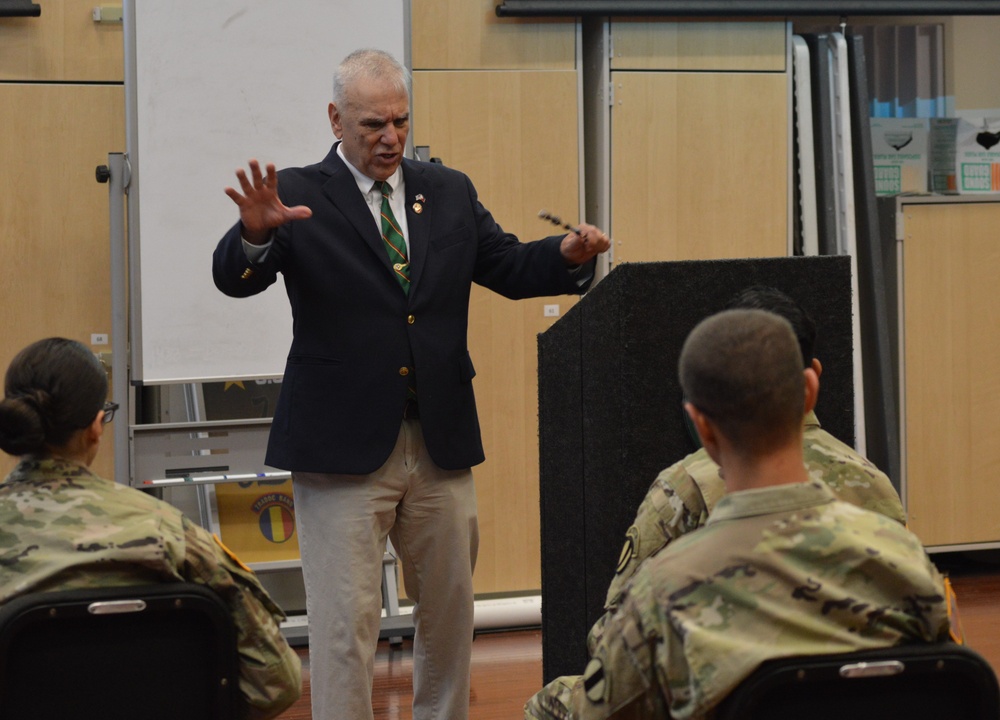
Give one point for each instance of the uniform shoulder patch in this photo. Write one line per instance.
(594, 682)
(629, 550)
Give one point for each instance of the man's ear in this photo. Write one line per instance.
(705, 429)
(335, 121)
(812, 389)
(817, 366)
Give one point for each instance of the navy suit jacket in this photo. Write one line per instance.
(354, 327)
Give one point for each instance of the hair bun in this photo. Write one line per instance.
(22, 423)
(55, 387)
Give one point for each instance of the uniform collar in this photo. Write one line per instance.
(34, 468)
(765, 501)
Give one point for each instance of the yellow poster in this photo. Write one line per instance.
(257, 520)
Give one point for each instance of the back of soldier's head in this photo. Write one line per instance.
(52, 389)
(763, 297)
(743, 370)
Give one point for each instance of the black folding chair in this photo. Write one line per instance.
(914, 682)
(152, 652)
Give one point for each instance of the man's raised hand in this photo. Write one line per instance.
(261, 210)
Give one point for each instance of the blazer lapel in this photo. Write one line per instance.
(342, 190)
(419, 212)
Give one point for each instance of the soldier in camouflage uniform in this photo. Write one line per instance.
(62, 527)
(682, 496)
(781, 566)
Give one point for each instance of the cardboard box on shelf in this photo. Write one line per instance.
(899, 154)
(965, 153)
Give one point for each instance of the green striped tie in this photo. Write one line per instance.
(393, 238)
(395, 245)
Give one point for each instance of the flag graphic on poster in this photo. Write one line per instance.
(276, 517)
(257, 520)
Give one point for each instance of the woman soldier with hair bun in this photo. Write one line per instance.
(62, 527)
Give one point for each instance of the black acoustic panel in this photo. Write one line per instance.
(628, 332)
(561, 456)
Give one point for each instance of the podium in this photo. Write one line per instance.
(611, 415)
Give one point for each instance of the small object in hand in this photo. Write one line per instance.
(556, 220)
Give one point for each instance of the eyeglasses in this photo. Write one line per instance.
(109, 412)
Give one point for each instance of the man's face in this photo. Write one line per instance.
(372, 121)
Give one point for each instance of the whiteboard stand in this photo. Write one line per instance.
(390, 598)
(116, 175)
(193, 454)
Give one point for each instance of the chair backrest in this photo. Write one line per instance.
(153, 651)
(907, 681)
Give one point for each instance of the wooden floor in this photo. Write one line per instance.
(507, 667)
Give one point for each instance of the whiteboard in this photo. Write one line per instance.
(209, 85)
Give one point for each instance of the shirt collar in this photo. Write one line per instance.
(765, 501)
(364, 182)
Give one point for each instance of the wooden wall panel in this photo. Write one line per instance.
(54, 225)
(63, 43)
(522, 157)
(699, 165)
(467, 35)
(692, 45)
(952, 384)
(973, 57)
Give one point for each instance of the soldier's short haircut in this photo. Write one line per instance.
(743, 370)
(764, 297)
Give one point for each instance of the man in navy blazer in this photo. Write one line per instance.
(376, 418)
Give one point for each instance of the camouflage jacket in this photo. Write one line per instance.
(779, 571)
(62, 527)
(682, 496)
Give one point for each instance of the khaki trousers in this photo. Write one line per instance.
(343, 521)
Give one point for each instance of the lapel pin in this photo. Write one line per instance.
(420, 198)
